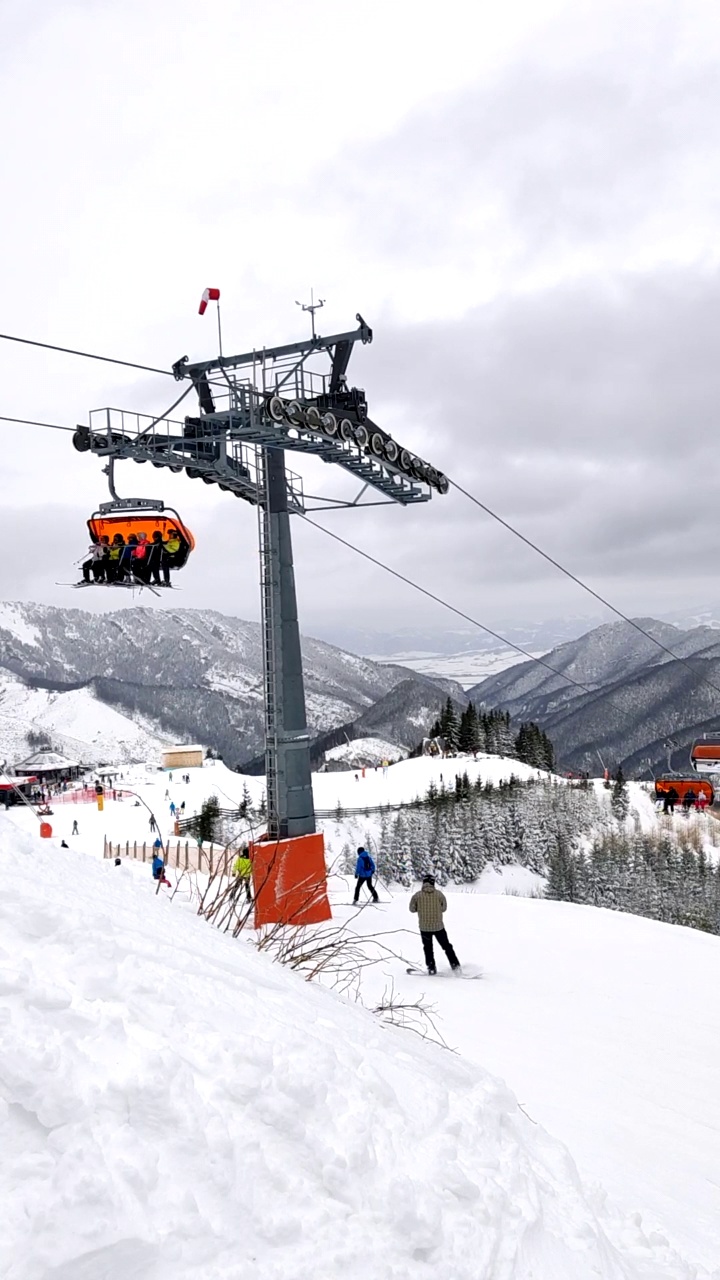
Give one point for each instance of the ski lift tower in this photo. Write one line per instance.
(254, 408)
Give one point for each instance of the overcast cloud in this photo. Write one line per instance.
(523, 203)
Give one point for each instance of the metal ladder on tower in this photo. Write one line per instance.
(269, 654)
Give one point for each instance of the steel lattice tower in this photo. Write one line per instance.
(253, 408)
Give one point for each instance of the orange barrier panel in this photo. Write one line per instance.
(290, 881)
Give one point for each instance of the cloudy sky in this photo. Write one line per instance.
(522, 199)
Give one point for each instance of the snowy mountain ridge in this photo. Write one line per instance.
(181, 675)
(641, 701)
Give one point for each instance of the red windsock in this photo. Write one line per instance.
(210, 295)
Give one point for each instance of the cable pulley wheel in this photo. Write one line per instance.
(294, 412)
(329, 424)
(347, 431)
(275, 408)
(377, 444)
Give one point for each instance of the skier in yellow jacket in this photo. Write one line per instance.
(429, 904)
(242, 870)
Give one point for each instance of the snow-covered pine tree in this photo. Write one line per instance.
(620, 800)
(468, 734)
(450, 725)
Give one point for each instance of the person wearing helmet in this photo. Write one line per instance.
(158, 864)
(242, 871)
(140, 566)
(364, 872)
(155, 557)
(114, 556)
(428, 905)
(172, 546)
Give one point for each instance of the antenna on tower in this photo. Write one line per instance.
(312, 306)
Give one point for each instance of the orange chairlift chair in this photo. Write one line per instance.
(682, 785)
(106, 523)
(705, 754)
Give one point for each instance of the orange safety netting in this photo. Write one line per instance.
(290, 881)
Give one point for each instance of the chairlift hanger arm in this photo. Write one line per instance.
(340, 344)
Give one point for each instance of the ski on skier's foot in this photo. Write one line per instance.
(134, 586)
(469, 972)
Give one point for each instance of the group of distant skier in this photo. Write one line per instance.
(137, 560)
(690, 800)
(429, 904)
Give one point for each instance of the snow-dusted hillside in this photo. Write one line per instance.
(639, 703)
(363, 752)
(76, 722)
(173, 1106)
(196, 674)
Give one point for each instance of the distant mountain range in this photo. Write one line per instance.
(188, 675)
(424, 643)
(642, 708)
(117, 686)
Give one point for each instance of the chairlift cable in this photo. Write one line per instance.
(579, 582)
(89, 355)
(439, 600)
(27, 422)
(471, 497)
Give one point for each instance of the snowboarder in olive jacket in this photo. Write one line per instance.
(364, 872)
(429, 904)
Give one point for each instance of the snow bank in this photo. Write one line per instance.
(366, 751)
(172, 1106)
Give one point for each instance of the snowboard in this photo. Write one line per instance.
(469, 973)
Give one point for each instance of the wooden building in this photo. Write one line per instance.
(183, 757)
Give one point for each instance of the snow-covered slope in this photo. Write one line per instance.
(78, 724)
(604, 1026)
(172, 1106)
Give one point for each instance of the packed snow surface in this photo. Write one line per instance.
(173, 1106)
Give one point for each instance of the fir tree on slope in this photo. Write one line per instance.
(534, 747)
(469, 734)
(620, 801)
(450, 725)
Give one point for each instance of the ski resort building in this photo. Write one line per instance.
(183, 757)
(48, 766)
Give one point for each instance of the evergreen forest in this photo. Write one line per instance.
(456, 833)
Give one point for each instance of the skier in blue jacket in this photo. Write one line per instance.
(158, 865)
(364, 872)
